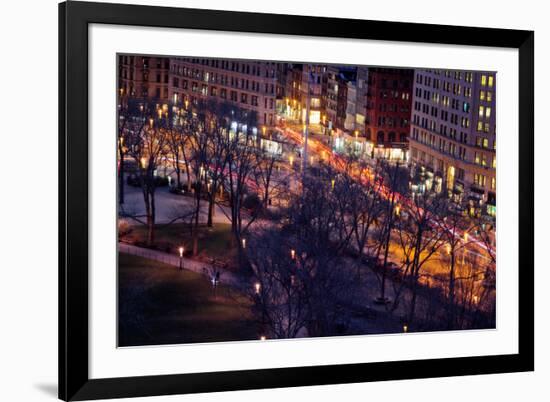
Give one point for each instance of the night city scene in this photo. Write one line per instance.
(265, 200)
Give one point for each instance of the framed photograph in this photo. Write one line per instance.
(259, 200)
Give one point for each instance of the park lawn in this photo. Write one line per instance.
(159, 304)
(214, 242)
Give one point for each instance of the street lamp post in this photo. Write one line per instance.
(181, 257)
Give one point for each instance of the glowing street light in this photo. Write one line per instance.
(262, 338)
(181, 249)
(244, 243)
(291, 160)
(257, 287)
(292, 253)
(397, 209)
(333, 182)
(405, 328)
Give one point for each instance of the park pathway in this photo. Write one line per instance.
(225, 277)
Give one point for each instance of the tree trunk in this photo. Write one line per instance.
(151, 220)
(196, 224)
(211, 203)
(451, 311)
(414, 275)
(178, 171)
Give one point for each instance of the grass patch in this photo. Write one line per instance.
(159, 304)
(214, 242)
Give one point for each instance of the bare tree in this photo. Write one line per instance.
(419, 240)
(199, 164)
(177, 140)
(131, 119)
(394, 179)
(456, 229)
(148, 145)
(277, 293)
(329, 280)
(243, 157)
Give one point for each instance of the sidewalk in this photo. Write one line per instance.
(227, 278)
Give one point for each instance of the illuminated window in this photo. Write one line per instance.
(477, 158)
(481, 95)
(481, 111)
(479, 126)
(479, 179)
(490, 80)
(489, 96)
(493, 183)
(488, 112)
(494, 164)
(483, 80)
(486, 127)
(485, 143)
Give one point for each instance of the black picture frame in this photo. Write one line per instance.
(74, 19)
